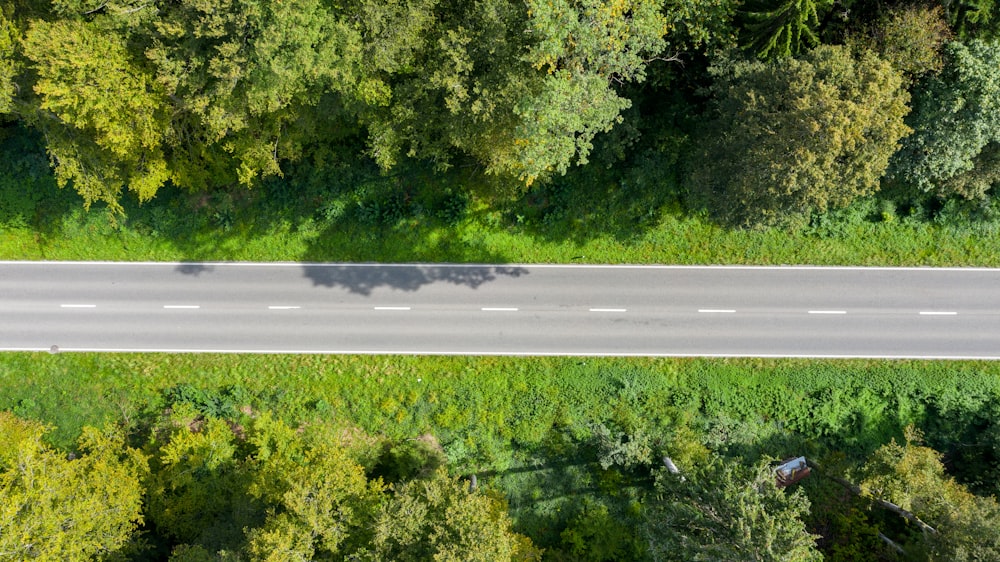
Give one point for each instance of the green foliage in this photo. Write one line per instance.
(223, 403)
(913, 477)
(910, 37)
(620, 449)
(594, 535)
(956, 116)
(973, 19)
(58, 508)
(9, 65)
(798, 135)
(403, 461)
(523, 425)
(246, 78)
(103, 116)
(708, 24)
(198, 490)
(318, 495)
(782, 28)
(727, 511)
(440, 519)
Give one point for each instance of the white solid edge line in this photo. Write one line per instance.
(827, 312)
(937, 313)
(181, 306)
(608, 310)
(391, 308)
(77, 306)
(716, 310)
(800, 267)
(282, 307)
(498, 309)
(500, 353)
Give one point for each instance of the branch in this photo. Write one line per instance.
(856, 490)
(895, 546)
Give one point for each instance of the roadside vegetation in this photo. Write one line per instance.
(762, 132)
(575, 445)
(359, 214)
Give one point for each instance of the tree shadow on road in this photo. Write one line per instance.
(363, 280)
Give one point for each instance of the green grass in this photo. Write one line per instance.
(351, 212)
(524, 424)
(486, 409)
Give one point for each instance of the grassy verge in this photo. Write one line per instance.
(351, 212)
(524, 424)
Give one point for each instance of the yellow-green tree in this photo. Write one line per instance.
(798, 135)
(318, 496)
(103, 116)
(949, 522)
(54, 507)
(8, 63)
(439, 518)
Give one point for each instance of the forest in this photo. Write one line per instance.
(858, 132)
(768, 112)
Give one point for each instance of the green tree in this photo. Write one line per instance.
(58, 508)
(798, 135)
(956, 123)
(694, 24)
(198, 491)
(8, 63)
(957, 525)
(247, 78)
(726, 511)
(783, 28)
(438, 518)
(973, 19)
(103, 116)
(522, 89)
(910, 37)
(318, 495)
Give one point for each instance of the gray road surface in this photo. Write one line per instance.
(501, 309)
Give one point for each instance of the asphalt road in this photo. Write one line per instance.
(501, 309)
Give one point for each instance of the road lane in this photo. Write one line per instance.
(501, 309)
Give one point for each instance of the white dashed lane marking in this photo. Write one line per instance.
(498, 309)
(827, 312)
(181, 306)
(716, 310)
(392, 308)
(608, 310)
(78, 306)
(282, 307)
(938, 313)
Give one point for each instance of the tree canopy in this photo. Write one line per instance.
(58, 508)
(727, 511)
(799, 135)
(956, 119)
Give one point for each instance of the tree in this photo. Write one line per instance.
(956, 123)
(438, 518)
(8, 63)
(246, 78)
(197, 493)
(910, 37)
(103, 117)
(957, 525)
(785, 29)
(726, 511)
(318, 496)
(58, 508)
(522, 89)
(798, 135)
(973, 19)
